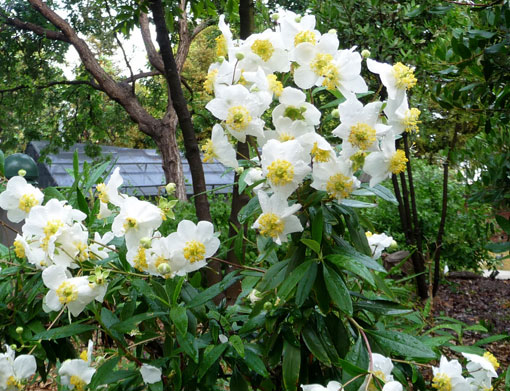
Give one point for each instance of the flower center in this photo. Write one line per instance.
(67, 292)
(404, 75)
(493, 360)
(275, 85)
(51, 228)
(442, 382)
(103, 196)
(238, 118)
(130, 223)
(331, 77)
(210, 80)
(280, 172)
(362, 136)
(339, 186)
(285, 137)
(379, 375)
(221, 46)
(208, 150)
(83, 253)
(305, 36)
(398, 162)
(19, 249)
(263, 48)
(294, 113)
(13, 382)
(358, 160)
(321, 64)
(320, 155)
(194, 251)
(78, 383)
(411, 120)
(26, 202)
(270, 225)
(84, 355)
(141, 259)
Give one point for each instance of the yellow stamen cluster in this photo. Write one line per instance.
(398, 162)
(78, 383)
(84, 355)
(67, 292)
(83, 251)
(19, 249)
(411, 120)
(270, 225)
(368, 234)
(280, 172)
(320, 64)
(101, 190)
(210, 79)
(194, 251)
(51, 228)
(320, 155)
(331, 77)
(379, 375)
(339, 186)
(358, 160)
(362, 136)
(26, 202)
(13, 382)
(404, 76)
(285, 137)
(221, 46)
(305, 36)
(238, 118)
(295, 113)
(263, 48)
(275, 85)
(160, 260)
(442, 382)
(208, 150)
(130, 223)
(140, 260)
(493, 360)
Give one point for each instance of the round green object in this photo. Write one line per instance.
(20, 161)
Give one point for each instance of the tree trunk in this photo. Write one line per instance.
(170, 155)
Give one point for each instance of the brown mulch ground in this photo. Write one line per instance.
(480, 301)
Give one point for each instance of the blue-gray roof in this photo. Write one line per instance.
(140, 168)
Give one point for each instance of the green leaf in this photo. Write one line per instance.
(314, 345)
(188, 343)
(467, 349)
(237, 344)
(180, 319)
(102, 373)
(337, 290)
(237, 381)
(402, 344)
(295, 276)
(499, 247)
(291, 365)
(255, 363)
(270, 274)
(358, 204)
(382, 307)
(312, 245)
(82, 202)
(503, 223)
(2, 163)
(382, 192)
(353, 265)
(214, 290)
(250, 209)
(305, 285)
(507, 379)
(242, 182)
(132, 323)
(64, 331)
(52, 192)
(210, 358)
(349, 252)
(317, 225)
(76, 166)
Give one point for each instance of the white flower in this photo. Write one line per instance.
(297, 29)
(378, 242)
(396, 78)
(277, 219)
(254, 296)
(73, 292)
(335, 177)
(485, 364)
(380, 165)
(150, 374)
(193, 244)
(14, 372)
(219, 148)
(76, 373)
(136, 219)
(99, 248)
(392, 386)
(332, 386)
(264, 50)
(448, 376)
(294, 108)
(109, 192)
(400, 117)
(382, 367)
(346, 75)
(19, 198)
(320, 150)
(239, 109)
(283, 164)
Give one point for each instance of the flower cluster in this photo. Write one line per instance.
(247, 82)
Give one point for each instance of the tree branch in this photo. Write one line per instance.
(27, 26)
(141, 76)
(154, 56)
(53, 83)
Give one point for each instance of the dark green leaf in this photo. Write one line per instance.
(102, 373)
(305, 284)
(382, 307)
(255, 363)
(52, 192)
(382, 192)
(76, 166)
(291, 365)
(503, 223)
(402, 344)
(317, 225)
(64, 331)
(210, 358)
(312, 244)
(353, 265)
(237, 381)
(337, 290)
(295, 276)
(214, 290)
(314, 345)
(250, 209)
(237, 344)
(180, 319)
(188, 343)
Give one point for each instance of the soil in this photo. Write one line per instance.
(479, 301)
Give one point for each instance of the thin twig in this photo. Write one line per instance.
(49, 327)
(236, 265)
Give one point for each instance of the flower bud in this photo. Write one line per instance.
(275, 17)
(335, 113)
(220, 59)
(13, 347)
(170, 188)
(268, 306)
(332, 31)
(239, 170)
(365, 53)
(239, 56)
(298, 19)
(146, 242)
(164, 268)
(19, 330)
(22, 172)
(393, 246)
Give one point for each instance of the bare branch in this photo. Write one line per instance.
(154, 56)
(51, 84)
(197, 30)
(141, 76)
(27, 26)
